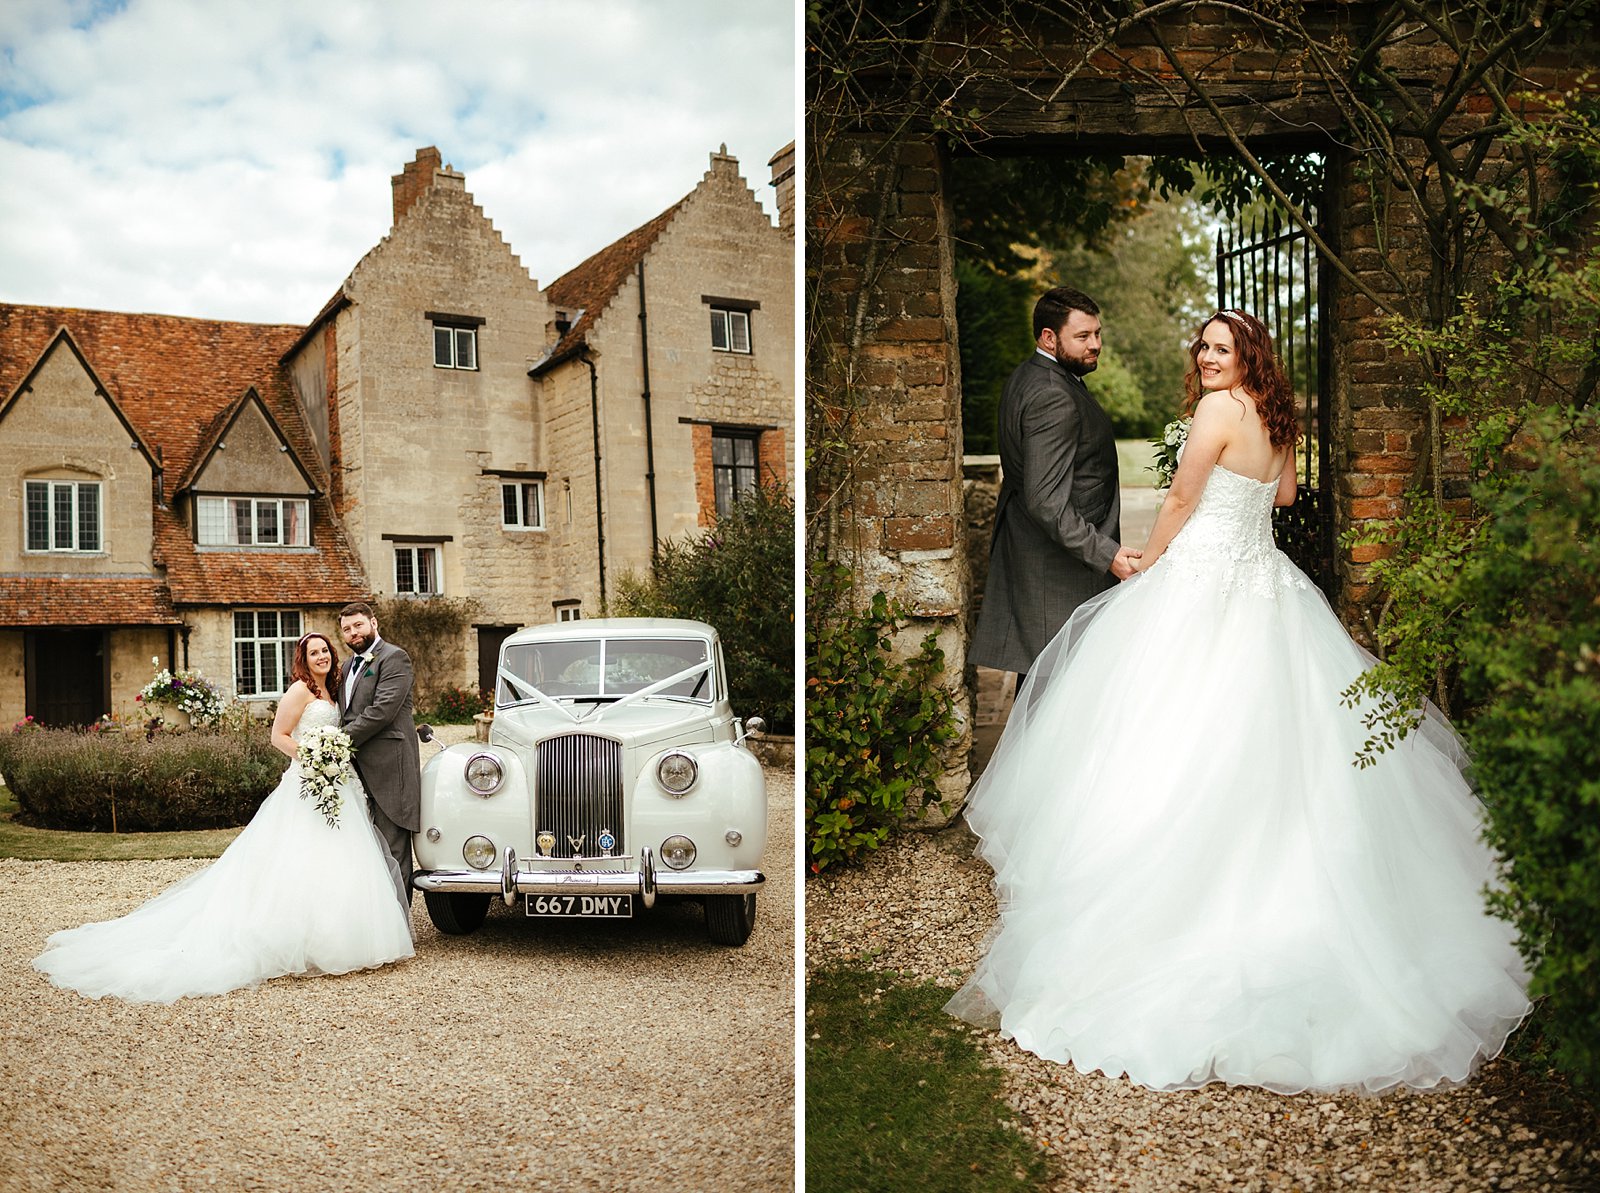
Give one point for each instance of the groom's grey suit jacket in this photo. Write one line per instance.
(1056, 527)
(378, 720)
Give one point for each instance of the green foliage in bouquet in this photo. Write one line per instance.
(874, 722)
(121, 782)
(1530, 661)
(738, 577)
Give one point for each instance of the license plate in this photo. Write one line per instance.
(578, 906)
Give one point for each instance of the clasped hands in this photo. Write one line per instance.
(1126, 563)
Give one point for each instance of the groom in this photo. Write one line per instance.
(375, 710)
(1057, 540)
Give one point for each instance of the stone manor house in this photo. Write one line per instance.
(204, 492)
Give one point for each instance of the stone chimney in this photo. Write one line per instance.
(782, 165)
(414, 179)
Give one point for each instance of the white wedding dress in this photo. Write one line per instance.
(291, 894)
(1195, 882)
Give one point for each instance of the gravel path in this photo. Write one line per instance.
(922, 907)
(532, 1056)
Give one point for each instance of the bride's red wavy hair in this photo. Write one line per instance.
(1262, 375)
(300, 666)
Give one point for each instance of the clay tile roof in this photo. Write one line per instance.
(170, 375)
(594, 283)
(329, 574)
(84, 601)
(177, 380)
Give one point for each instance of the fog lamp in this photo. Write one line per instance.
(479, 852)
(678, 852)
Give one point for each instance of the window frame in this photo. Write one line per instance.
(734, 435)
(521, 489)
(75, 491)
(284, 640)
(230, 520)
(415, 550)
(724, 317)
(462, 329)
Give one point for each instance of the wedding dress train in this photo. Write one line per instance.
(290, 895)
(1195, 882)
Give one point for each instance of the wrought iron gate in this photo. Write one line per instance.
(1266, 265)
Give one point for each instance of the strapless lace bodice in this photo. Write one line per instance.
(1228, 538)
(318, 712)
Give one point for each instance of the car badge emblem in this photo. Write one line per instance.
(607, 842)
(547, 842)
(577, 844)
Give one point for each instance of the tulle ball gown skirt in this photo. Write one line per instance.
(290, 895)
(1195, 882)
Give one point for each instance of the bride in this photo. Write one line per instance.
(291, 894)
(1195, 883)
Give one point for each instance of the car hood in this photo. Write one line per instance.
(634, 725)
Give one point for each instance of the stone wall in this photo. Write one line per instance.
(61, 429)
(719, 244)
(419, 447)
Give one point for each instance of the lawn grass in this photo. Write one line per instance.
(898, 1096)
(1133, 463)
(44, 844)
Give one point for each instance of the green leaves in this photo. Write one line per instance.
(874, 721)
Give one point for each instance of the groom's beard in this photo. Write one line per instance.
(1075, 366)
(362, 645)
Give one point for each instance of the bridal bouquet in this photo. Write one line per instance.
(1167, 447)
(325, 765)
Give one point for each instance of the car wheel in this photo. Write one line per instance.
(456, 913)
(729, 918)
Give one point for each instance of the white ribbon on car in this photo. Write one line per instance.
(528, 692)
(659, 685)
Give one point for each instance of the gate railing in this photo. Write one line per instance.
(1266, 265)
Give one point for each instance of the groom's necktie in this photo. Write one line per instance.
(357, 664)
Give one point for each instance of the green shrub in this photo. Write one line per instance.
(739, 577)
(874, 723)
(457, 706)
(1530, 661)
(107, 781)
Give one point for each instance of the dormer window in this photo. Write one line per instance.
(455, 340)
(252, 521)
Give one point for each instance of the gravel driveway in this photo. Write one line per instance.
(922, 907)
(621, 1056)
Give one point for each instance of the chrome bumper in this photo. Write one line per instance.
(644, 880)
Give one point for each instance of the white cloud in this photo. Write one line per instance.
(232, 159)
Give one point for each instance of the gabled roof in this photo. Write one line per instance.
(64, 337)
(178, 383)
(168, 375)
(218, 431)
(590, 286)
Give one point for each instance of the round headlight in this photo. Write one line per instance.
(678, 852)
(677, 772)
(479, 852)
(484, 773)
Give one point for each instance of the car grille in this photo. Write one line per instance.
(578, 786)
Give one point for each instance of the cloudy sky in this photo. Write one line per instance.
(231, 158)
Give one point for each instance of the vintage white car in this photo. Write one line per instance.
(615, 771)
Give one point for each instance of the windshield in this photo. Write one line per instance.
(606, 668)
